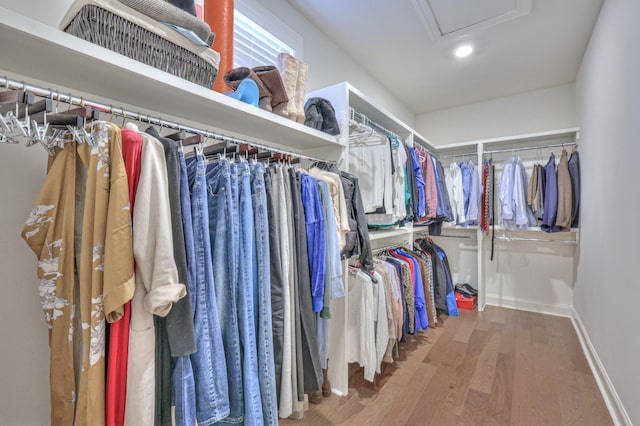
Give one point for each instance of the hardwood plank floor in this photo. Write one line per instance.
(497, 367)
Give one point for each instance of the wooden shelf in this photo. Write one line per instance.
(32, 51)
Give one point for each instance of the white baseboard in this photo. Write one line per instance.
(617, 411)
(529, 305)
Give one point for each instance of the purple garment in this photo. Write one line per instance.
(550, 197)
(316, 238)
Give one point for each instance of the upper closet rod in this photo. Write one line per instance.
(465, 154)
(75, 100)
(371, 123)
(496, 151)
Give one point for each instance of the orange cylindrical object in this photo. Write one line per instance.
(219, 15)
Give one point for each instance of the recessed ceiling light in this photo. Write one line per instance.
(464, 50)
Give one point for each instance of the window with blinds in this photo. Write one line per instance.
(253, 45)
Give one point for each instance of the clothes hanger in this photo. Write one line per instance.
(193, 140)
(180, 135)
(15, 100)
(215, 149)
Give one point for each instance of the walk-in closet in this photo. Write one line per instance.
(289, 212)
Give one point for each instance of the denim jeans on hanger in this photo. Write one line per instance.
(222, 218)
(209, 365)
(246, 305)
(266, 367)
(184, 395)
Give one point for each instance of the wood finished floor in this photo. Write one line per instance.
(497, 367)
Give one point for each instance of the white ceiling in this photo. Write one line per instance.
(519, 45)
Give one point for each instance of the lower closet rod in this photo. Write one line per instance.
(545, 240)
(385, 248)
(456, 236)
(75, 100)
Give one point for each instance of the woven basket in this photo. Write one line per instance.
(113, 32)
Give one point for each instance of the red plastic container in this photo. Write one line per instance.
(466, 303)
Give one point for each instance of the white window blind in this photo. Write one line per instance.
(253, 45)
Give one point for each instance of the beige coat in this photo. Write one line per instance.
(157, 286)
(565, 195)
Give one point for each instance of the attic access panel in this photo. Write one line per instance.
(446, 19)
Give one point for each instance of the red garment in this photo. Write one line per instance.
(119, 331)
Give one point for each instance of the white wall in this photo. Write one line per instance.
(608, 288)
(329, 64)
(539, 110)
(24, 388)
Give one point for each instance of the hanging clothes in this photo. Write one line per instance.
(574, 171)
(365, 155)
(82, 218)
(430, 190)
(457, 192)
(419, 182)
(487, 197)
(175, 336)
(398, 210)
(550, 196)
(565, 196)
(222, 211)
(209, 363)
(157, 284)
(472, 212)
(276, 279)
(184, 382)
(116, 391)
(338, 200)
(317, 247)
(422, 321)
(513, 192)
(262, 288)
(360, 334)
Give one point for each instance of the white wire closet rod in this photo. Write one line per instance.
(370, 122)
(388, 247)
(121, 112)
(464, 154)
(544, 240)
(530, 148)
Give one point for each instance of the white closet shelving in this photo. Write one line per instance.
(44, 55)
(344, 96)
(526, 274)
(533, 270)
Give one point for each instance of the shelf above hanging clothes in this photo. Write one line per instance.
(375, 235)
(34, 51)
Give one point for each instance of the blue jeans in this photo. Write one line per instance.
(222, 220)
(183, 381)
(247, 286)
(209, 365)
(262, 274)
